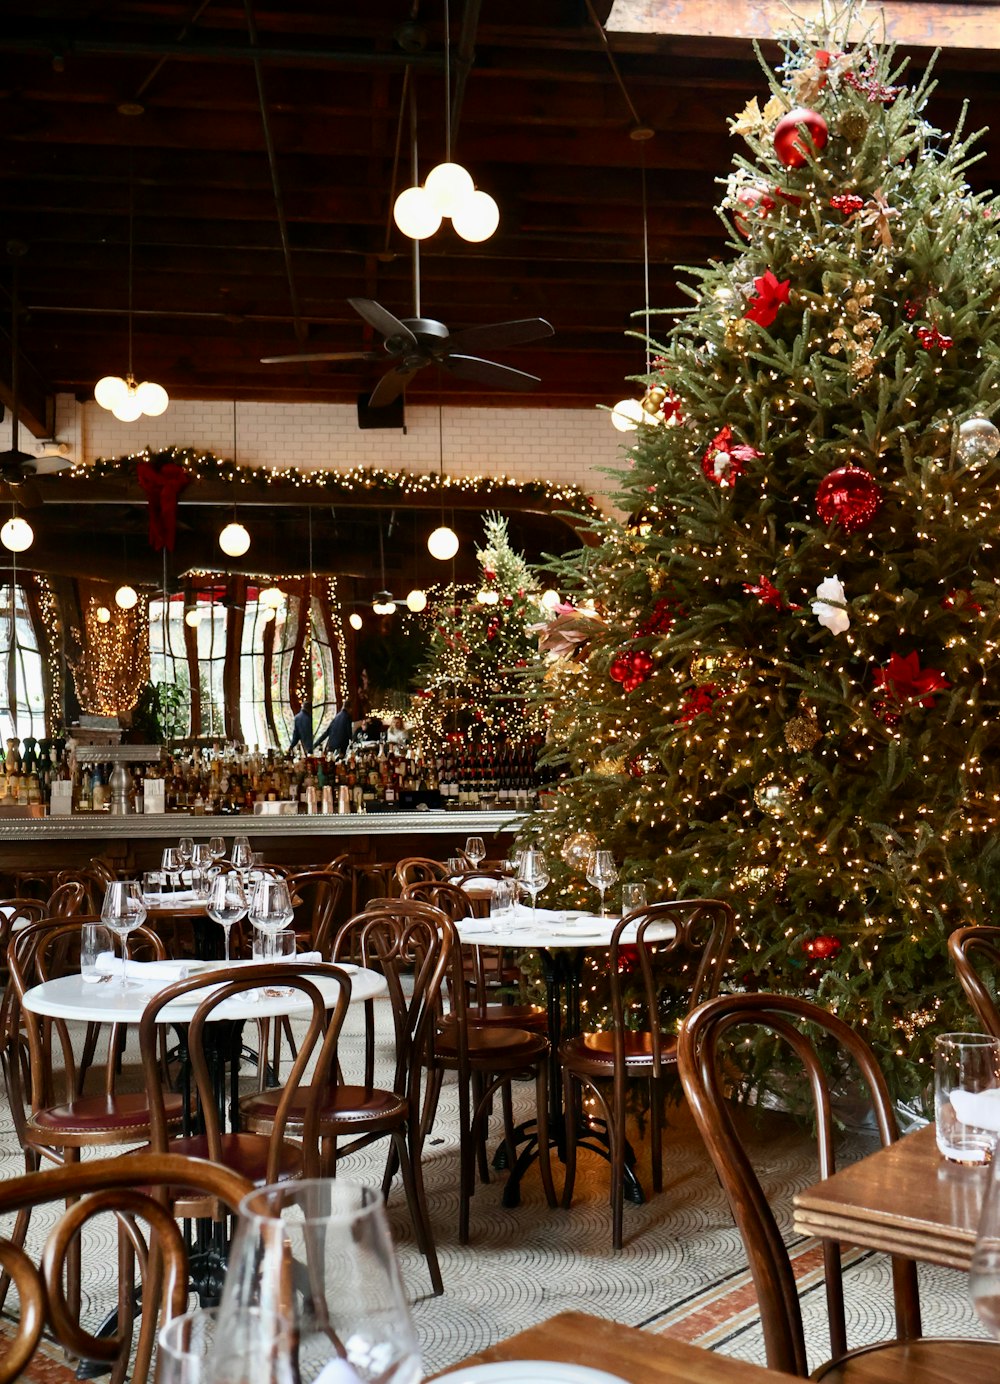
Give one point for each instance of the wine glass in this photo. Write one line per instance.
(242, 856)
(185, 849)
(201, 855)
(319, 1252)
(216, 848)
(227, 904)
(170, 863)
(475, 849)
(121, 911)
(533, 875)
(602, 873)
(245, 1347)
(984, 1275)
(271, 906)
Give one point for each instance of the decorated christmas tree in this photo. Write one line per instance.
(473, 684)
(789, 698)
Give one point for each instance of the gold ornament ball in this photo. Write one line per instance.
(802, 731)
(609, 768)
(776, 795)
(578, 848)
(852, 126)
(754, 880)
(722, 669)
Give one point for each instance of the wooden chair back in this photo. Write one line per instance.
(68, 898)
(706, 1042)
(451, 899)
(135, 1189)
(317, 1051)
(975, 955)
(318, 895)
(418, 869)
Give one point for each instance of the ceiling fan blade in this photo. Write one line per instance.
(489, 372)
(24, 492)
(48, 466)
(382, 320)
(495, 335)
(391, 385)
(323, 355)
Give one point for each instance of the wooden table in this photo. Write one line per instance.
(905, 1199)
(643, 1357)
(640, 1357)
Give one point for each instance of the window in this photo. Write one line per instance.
(22, 693)
(168, 660)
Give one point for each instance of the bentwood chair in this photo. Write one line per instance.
(417, 869)
(411, 948)
(709, 1040)
(214, 1048)
(975, 955)
(68, 898)
(318, 895)
(674, 961)
(134, 1189)
(52, 1118)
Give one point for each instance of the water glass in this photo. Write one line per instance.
(185, 849)
(633, 897)
(94, 940)
(602, 873)
(201, 856)
(271, 905)
(318, 1252)
(227, 903)
(966, 1096)
(242, 856)
(270, 947)
(152, 883)
(475, 849)
(121, 911)
(171, 863)
(533, 875)
(216, 847)
(502, 899)
(247, 1347)
(984, 1277)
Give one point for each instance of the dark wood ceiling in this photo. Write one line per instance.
(540, 119)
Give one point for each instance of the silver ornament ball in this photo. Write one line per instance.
(978, 440)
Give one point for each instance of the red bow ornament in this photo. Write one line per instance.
(905, 681)
(771, 294)
(162, 484)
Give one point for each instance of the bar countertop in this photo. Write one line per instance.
(83, 826)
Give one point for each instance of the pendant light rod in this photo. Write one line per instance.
(414, 174)
(131, 250)
(447, 82)
(645, 257)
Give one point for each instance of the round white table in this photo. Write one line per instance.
(105, 1002)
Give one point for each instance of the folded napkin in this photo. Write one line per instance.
(474, 881)
(158, 973)
(174, 899)
(978, 1108)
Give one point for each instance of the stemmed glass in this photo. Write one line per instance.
(227, 904)
(216, 847)
(245, 1347)
(242, 856)
(318, 1252)
(121, 911)
(271, 907)
(170, 863)
(201, 863)
(533, 875)
(602, 873)
(984, 1276)
(475, 849)
(185, 849)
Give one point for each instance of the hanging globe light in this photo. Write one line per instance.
(192, 617)
(383, 604)
(152, 398)
(234, 540)
(103, 615)
(416, 601)
(109, 390)
(17, 535)
(449, 187)
(355, 621)
(627, 414)
(477, 218)
(126, 597)
(443, 543)
(271, 596)
(549, 599)
(487, 596)
(268, 614)
(415, 213)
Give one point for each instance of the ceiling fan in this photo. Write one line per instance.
(415, 342)
(17, 468)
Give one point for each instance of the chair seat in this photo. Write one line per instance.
(924, 1358)
(118, 1118)
(340, 1110)
(527, 1016)
(595, 1052)
(245, 1154)
(491, 1045)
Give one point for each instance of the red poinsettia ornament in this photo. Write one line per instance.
(722, 461)
(771, 294)
(768, 594)
(903, 680)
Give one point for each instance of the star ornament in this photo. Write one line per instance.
(905, 681)
(771, 294)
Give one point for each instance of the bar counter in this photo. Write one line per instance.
(135, 842)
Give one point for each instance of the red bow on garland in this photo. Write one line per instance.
(162, 484)
(906, 681)
(770, 295)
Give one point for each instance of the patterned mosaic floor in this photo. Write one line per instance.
(682, 1269)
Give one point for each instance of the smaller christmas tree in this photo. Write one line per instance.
(482, 646)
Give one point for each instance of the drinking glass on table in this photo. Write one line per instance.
(633, 896)
(966, 1096)
(216, 848)
(170, 863)
(185, 849)
(248, 1347)
(475, 849)
(602, 873)
(201, 856)
(984, 1275)
(271, 905)
(321, 1249)
(227, 904)
(242, 856)
(94, 942)
(533, 875)
(152, 883)
(122, 911)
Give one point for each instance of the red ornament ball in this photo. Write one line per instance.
(822, 948)
(791, 147)
(849, 496)
(752, 201)
(618, 670)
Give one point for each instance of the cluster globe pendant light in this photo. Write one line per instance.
(234, 539)
(17, 535)
(448, 191)
(416, 601)
(124, 398)
(628, 414)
